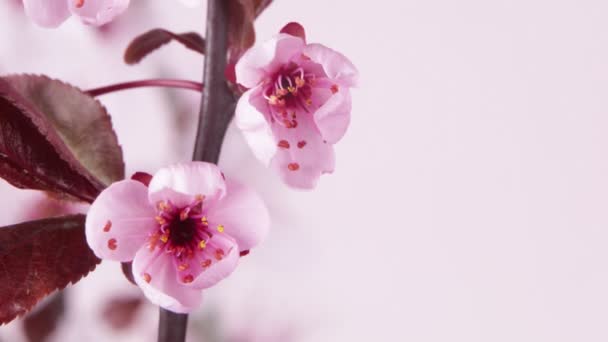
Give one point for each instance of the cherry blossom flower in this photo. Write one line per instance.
(184, 232)
(51, 13)
(298, 104)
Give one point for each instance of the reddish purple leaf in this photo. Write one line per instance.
(241, 32)
(55, 138)
(40, 323)
(39, 257)
(294, 29)
(121, 312)
(146, 43)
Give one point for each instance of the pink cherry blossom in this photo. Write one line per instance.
(298, 104)
(51, 13)
(184, 232)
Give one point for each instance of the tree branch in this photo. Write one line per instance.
(217, 109)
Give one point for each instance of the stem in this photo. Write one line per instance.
(172, 326)
(166, 83)
(218, 103)
(217, 109)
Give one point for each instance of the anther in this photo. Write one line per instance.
(188, 279)
(161, 220)
(219, 254)
(220, 228)
(334, 88)
(283, 144)
(78, 3)
(202, 244)
(112, 244)
(107, 227)
(293, 166)
(206, 263)
(147, 277)
(301, 144)
(183, 267)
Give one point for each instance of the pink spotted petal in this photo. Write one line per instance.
(217, 261)
(251, 119)
(333, 117)
(97, 12)
(181, 183)
(47, 13)
(308, 155)
(119, 221)
(243, 215)
(262, 61)
(155, 273)
(336, 65)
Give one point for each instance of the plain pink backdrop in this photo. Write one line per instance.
(469, 199)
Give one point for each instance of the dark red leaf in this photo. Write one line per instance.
(121, 312)
(142, 177)
(39, 257)
(39, 324)
(294, 29)
(55, 138)
(146, 43)
(241, 32)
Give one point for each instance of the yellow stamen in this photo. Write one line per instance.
(220, 228)
(160, 220)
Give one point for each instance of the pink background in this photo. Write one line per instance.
(469, 200)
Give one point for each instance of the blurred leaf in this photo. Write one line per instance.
(55, 138)
(39, 257)
(121, 312)
(241, 32)
(38, 325)
(146, 43)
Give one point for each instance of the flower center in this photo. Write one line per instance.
(181, 231)
(291, 89)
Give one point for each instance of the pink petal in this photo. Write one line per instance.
(181, 183)
(333, 117)
(308, 155)
(251, 119)
(155, 273)
(336, 65)
(217, 261)
(243, 215)
(262, 61)
(97, 12)
(47, 13)
(119, 221)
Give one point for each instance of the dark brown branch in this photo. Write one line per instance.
(218, 102)
(217, 109)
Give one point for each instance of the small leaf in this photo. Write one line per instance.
(241, 32)
(146, 43)
(55, 138)
(39, 324)
(39, 257)
(294, 29)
